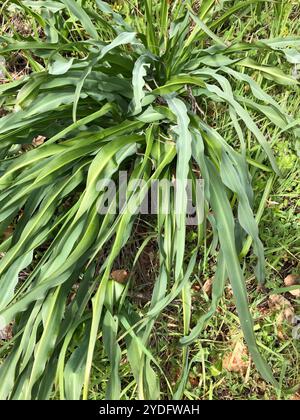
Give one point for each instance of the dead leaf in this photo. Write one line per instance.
(8, 232)
(196, 287)
(6, 333)
(38, 141)
(271, 203)
(193, 380)
(238, 360)
(293, 280)
(207, 287)
(279, 302)
(120, 276)
(286, 313)
(228, 291)
(73, 293)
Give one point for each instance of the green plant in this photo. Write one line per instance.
(145, 102)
